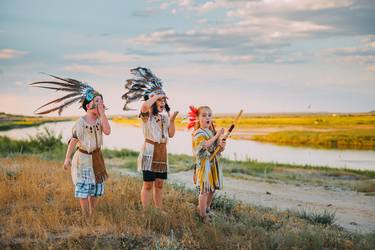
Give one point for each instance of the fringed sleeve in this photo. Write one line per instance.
(199, 148)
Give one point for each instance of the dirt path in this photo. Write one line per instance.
(354, 211)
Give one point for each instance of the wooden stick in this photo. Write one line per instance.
(227, 134)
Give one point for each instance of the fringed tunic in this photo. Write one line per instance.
(155, 131)
(209, 175)
(90, 137)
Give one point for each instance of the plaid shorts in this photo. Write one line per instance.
(84, 190)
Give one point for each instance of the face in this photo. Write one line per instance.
(205, 117)
(160, 104)
(92, 106)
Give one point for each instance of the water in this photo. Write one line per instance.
(129, 137)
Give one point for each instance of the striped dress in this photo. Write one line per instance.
(209, 174)
(155, 128)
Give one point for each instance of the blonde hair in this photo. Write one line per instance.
(198, 125)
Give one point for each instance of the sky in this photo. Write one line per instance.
(257, 55)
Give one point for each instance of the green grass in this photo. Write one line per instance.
(324, 217)
(48, 145)
(342, 139)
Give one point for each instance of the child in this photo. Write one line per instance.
(208, 174)
(157, 127)
(88, 169)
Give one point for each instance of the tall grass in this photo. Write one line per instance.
(45, 142)
(343, 139)
(38, 211)
(325, 217)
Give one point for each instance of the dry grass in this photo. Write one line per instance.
(38, 210)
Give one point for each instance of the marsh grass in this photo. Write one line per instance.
(340, 139)
(9, 121)
(38, 210)
(342, 131)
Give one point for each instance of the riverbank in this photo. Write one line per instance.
(49, 146)
(327, 130)
(9, 121)
(340, 139)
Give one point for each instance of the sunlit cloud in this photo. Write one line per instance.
(11, 53)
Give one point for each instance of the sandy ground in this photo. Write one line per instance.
(354, 211)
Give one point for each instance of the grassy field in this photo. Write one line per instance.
(8, 121)
(50, 147)
(38, 210)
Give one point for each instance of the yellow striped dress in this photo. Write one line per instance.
(209, 175)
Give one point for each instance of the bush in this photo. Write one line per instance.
(325, 217)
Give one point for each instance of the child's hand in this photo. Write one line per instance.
(222, 145)
(220, 133)
(173, 118)
(101, 108)
(67, 163)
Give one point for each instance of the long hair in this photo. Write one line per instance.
(198, 125)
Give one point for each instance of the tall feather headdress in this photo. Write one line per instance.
(143, 84)
(77, 92)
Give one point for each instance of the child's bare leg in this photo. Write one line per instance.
(84, 206)
(146, 193)
(158, 193)
(210, 197)
(202, 204)
(92, 204)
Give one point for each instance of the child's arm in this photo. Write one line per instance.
(214, 138)
(103, 119)
(172, 126)
(69, 152)
(147, 104)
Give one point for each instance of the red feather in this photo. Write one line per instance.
(192, 115)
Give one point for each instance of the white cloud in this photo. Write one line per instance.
(274, 5)
(102, 56)
(253, 39)
(11, 53)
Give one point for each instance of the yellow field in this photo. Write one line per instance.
(344, 131)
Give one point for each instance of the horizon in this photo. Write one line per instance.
(263, 56)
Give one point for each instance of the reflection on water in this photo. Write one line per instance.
(129, 137)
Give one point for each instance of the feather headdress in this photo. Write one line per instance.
(193, 117)
(77, 92)
(144, 84)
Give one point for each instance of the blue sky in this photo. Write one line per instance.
(262, 56)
